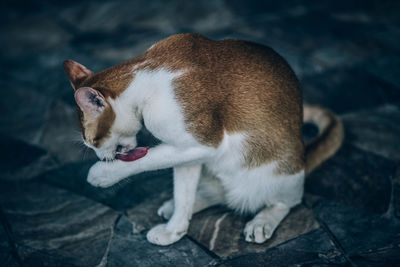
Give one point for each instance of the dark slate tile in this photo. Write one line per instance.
(128, 249)
(311, 249)
(123, 195)
(8, 251)
(375, 130)
(22, 161)
(385, 67)
(221, 231)
(6, 258)
(344, 90)
(394, 209)
(6, 255)
(55, 222)
(3, 234)
(354, 177)
(25, 112)
(35, 258)
(17, 154)
(144, 215)
(199, 16)
(366, 238)
(37, 32)
(344, 54)
(62, 135)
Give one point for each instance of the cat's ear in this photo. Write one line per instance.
(90, 101)
(76, 72)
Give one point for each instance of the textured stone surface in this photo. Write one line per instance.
(8, 254)
(376, 130)
(62, 135)
(21, 161)
(6, 259)
(394, 208)
(366, 238)
(354, 177)
(56, 222)
(344, 90)
(38, 32)
(144, 216)
(25, 112)
(129, 249)
(221, 231)
(312, 249)
(123, 195)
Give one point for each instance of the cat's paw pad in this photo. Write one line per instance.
(160, 235)
(100, 176)
(166, 210)
(258, 231)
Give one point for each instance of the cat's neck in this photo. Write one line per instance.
(146, 88)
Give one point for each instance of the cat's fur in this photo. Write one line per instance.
(229, 115)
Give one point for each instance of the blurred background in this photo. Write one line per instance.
(345, 53)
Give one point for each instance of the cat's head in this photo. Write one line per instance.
(108, 124)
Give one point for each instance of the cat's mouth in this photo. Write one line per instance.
(128, 154)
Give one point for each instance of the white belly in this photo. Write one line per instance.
(250, 189)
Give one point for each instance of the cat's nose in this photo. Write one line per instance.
(119, 149)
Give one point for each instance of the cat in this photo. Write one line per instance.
(229, 116)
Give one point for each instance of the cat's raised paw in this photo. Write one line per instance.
(100, 175)
(161, 236)
(258, 231)
(166, 210)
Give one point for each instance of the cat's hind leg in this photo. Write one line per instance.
(167, 209)
(281, 192)
(265, 222)
(209, 193)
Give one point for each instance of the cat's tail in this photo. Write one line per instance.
(329, 138)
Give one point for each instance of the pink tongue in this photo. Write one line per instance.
(133, 154)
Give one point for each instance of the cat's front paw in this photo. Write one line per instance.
(101, 175)
(160, 235)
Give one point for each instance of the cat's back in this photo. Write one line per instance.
(228, 70)
(235, 86)
(189, 50)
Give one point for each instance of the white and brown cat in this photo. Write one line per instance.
(229, 115)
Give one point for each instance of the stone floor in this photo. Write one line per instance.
(347, 56)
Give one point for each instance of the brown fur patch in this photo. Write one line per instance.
(113, 81)
(104, 124)
(237, 86)
(95, 130)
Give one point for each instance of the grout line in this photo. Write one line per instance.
(104, 260)
(391, 210)
(336, 242)
(7, 230)
(204, 248)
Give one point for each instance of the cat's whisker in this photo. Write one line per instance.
(76, 136)
(85, 151)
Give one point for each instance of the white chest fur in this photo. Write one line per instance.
(152, 92)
